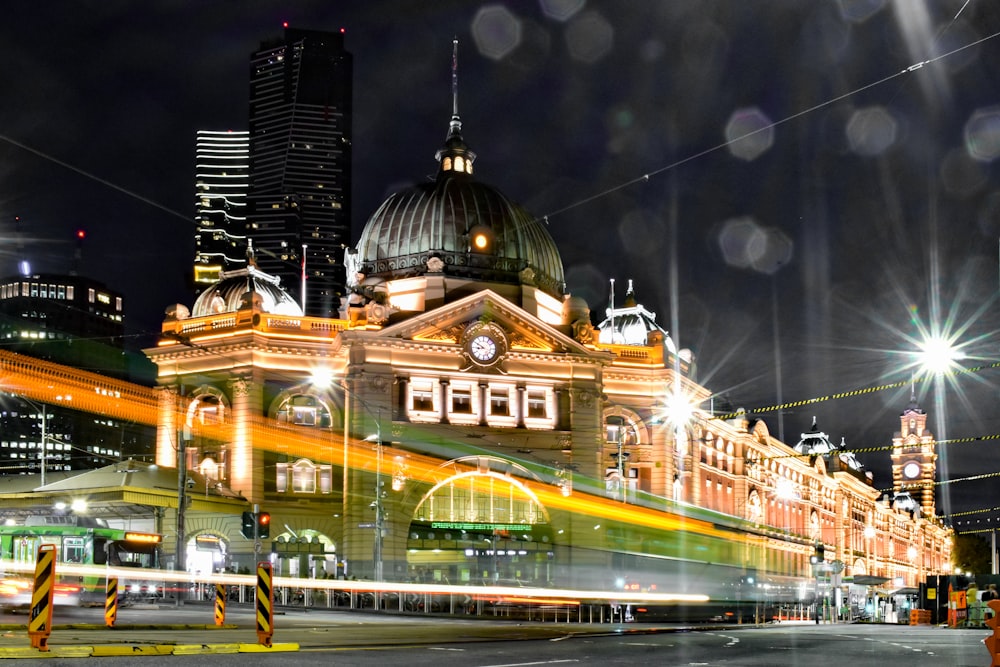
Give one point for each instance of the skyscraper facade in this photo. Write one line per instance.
(77, 322)
(222, 179)
(299, 213)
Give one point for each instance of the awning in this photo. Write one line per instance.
(868, 580)
(905, 591)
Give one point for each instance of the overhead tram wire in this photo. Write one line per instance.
(673, 165)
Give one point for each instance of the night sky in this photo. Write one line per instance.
(799, 200)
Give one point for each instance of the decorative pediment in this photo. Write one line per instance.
(449, 323)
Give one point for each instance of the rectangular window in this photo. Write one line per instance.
(325, 479)
(304, 479)
(91, 295)
(499, 402)
(304, 415)
(423, 397)
(536, 404)
(281, 478)
(461, 401)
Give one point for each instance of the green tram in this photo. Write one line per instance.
(81, 543)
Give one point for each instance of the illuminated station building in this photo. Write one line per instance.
(463, 421)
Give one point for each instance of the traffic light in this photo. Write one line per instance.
(263, 525)
(249, 523)
(819, 555)
(993, 641)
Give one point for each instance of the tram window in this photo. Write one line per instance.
(74, 550)
(100, 551)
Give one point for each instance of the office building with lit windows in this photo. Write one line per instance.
(222, 180)
(73, 321)
(299, 213)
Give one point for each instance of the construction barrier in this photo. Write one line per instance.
(265, 603)
(920, 617)
(220, 604)
(40, 622)
(992, 642)
(111, 602)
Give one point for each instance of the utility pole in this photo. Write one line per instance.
(45, 438)
(181, 553)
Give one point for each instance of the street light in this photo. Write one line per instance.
(869, 533)
(323, 378)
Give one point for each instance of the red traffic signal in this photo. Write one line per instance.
(263, 525)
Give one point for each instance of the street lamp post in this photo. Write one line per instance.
(45, 439)
(323, 379)
(869, 534)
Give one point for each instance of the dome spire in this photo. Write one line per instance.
(455, 157)
(455, 128)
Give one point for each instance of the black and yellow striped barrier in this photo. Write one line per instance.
(220, 604)
(265, 604)
(111, 602)
(40, 622)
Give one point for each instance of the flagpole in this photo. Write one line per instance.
(304, 246)
(612, 310)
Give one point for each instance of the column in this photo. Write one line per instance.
(483, 400)
(520, 406)
(443, 383)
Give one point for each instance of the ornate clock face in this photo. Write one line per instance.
(911, 470)
(485, 344)
(483, 348)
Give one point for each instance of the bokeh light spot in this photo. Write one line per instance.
(561, 10)
(496, 31)
(859, 11)
(641, 234)
(961, 175)
(871, 131)
(589, 37)
(747, 245)
(739, 240)
(776, 253)
(749, 133)
(982, 134)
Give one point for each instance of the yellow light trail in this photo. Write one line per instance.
(47, 382)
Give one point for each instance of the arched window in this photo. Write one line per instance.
(304, 410)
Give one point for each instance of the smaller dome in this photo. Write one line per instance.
(815, 442)
(575, 308)
(231, 293)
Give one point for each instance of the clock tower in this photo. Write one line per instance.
(914, 458)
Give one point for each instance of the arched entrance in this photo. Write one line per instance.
(207, 552)
(481, 525)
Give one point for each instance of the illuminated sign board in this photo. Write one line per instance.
(459, 525)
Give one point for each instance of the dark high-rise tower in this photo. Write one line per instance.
(300, 163)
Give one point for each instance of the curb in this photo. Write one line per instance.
(109, 651)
